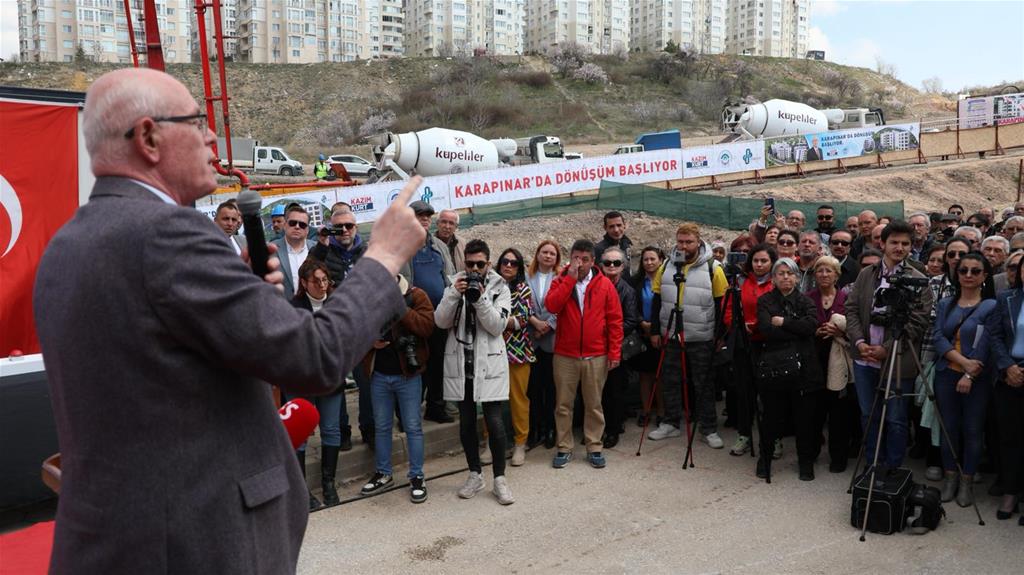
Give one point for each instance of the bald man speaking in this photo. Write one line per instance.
(160, 343)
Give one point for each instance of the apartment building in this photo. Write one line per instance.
(441, 27)
(776, 28)
(229, 19)
(307, 31)
(600, 26)
(53, 30)
(698, 25)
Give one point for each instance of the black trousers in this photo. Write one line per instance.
(803, 406)
(613, 399)
(843, 414)
(433, 376)
(541, 392)
(1010, 415)
(495, 431)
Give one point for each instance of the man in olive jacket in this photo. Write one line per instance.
(871, 343)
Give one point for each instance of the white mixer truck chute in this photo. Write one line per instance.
(439, 151)
(782, 117)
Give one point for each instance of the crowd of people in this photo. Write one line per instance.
(795, 325)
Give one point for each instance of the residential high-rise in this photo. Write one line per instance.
(53, 31)
(599, 26)
(776, 28)
(306, 31)
(697, 25)
(229, 18)
(441, 27)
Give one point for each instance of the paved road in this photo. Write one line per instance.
(644, 514)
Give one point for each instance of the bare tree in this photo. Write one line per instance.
(885, 68)
(932, 85)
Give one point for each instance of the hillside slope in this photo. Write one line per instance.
(329, 107)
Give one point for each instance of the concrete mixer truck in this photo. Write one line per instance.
(782, 118)
(439, 151)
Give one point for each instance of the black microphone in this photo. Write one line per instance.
(249, 203)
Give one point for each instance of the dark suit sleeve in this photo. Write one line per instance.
(217, 308)
(1002, 341)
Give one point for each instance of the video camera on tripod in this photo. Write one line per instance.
(734, 264)
(897, 300)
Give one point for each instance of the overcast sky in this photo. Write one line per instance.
(963, 42)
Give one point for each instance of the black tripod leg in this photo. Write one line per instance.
(863, 442)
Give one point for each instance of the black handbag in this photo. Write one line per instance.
(778, 369)
(632, 346)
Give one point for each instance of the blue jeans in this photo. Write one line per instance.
(330, 408)
(964, 416)
(406, 391)
(894, 444)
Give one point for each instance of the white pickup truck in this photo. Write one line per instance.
(248, 155)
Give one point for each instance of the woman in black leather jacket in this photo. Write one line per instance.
(787, 319)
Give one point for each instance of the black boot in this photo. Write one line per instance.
(314, 503)
(328, 467)
(346, 438)
(367, 433)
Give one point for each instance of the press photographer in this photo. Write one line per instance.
(396, 361)
(886, 296)
(475, 310)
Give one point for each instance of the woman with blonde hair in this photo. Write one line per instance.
(542, 269)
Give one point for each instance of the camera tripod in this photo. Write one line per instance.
(675, 327)
(892, 366)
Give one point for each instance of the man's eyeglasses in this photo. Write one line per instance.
(611, 263)
(200, 124)
(303, 225)
(839, 242)
(509, 262)
(479, 265)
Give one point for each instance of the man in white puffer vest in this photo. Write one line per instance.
(688, 291)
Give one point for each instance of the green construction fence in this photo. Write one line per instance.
(707, 209)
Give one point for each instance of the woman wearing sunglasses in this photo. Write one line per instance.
(519, 348)
(963, 373)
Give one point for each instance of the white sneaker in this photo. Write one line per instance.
(502, 491)
(474, 484)
(518, 455)
(485, 455)
(933, 473)
(741, 446)
(714, 441)
(664, 431)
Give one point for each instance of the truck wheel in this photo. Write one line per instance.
(286, 171)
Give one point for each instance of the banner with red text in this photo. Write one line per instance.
(542, 180)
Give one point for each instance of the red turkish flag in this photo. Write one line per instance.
(38, 193)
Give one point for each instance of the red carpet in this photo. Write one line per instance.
(26, 552)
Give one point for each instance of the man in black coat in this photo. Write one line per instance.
(613, 396)
(615, 235)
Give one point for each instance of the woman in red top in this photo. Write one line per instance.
(756, 281)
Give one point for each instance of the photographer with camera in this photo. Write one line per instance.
(885, 296)
(688, 295)
(475, 309)
(755, 281)
(395, 363)
(340, 248)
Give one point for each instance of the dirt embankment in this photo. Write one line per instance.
(974, 183)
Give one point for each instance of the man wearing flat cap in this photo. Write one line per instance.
(430, 270)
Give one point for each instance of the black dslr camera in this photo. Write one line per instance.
(474, 286)
(897, 300)
(406, 345)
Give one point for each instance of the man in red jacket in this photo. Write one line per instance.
(588, 343)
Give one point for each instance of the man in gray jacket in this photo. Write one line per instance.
(159, 348)
(293, 247)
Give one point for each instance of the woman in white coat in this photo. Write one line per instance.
(475, 311)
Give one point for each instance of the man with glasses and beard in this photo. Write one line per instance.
(826, 222)
(296, 245)
(839, 245)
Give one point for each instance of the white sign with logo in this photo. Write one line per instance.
(541, 180)
(723, 159)
(370, 200)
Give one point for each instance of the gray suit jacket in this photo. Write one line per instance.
(174, 457)
(286, 264)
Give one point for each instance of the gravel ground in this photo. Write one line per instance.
(645, 514)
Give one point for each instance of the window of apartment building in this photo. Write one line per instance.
(277, 13)
(296, 54)
(275, 27)
(67, 58)
(276, 41)
(294, 41)
(68, 44)
(66, 28)
(42, 44)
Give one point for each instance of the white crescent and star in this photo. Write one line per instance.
(11, 203)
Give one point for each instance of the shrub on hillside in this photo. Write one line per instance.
(591, 74)
(376, 123)
(535, 79)
(567, 57)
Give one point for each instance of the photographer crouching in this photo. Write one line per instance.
(887, 298)
(475, 310)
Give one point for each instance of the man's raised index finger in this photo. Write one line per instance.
(408, 190)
